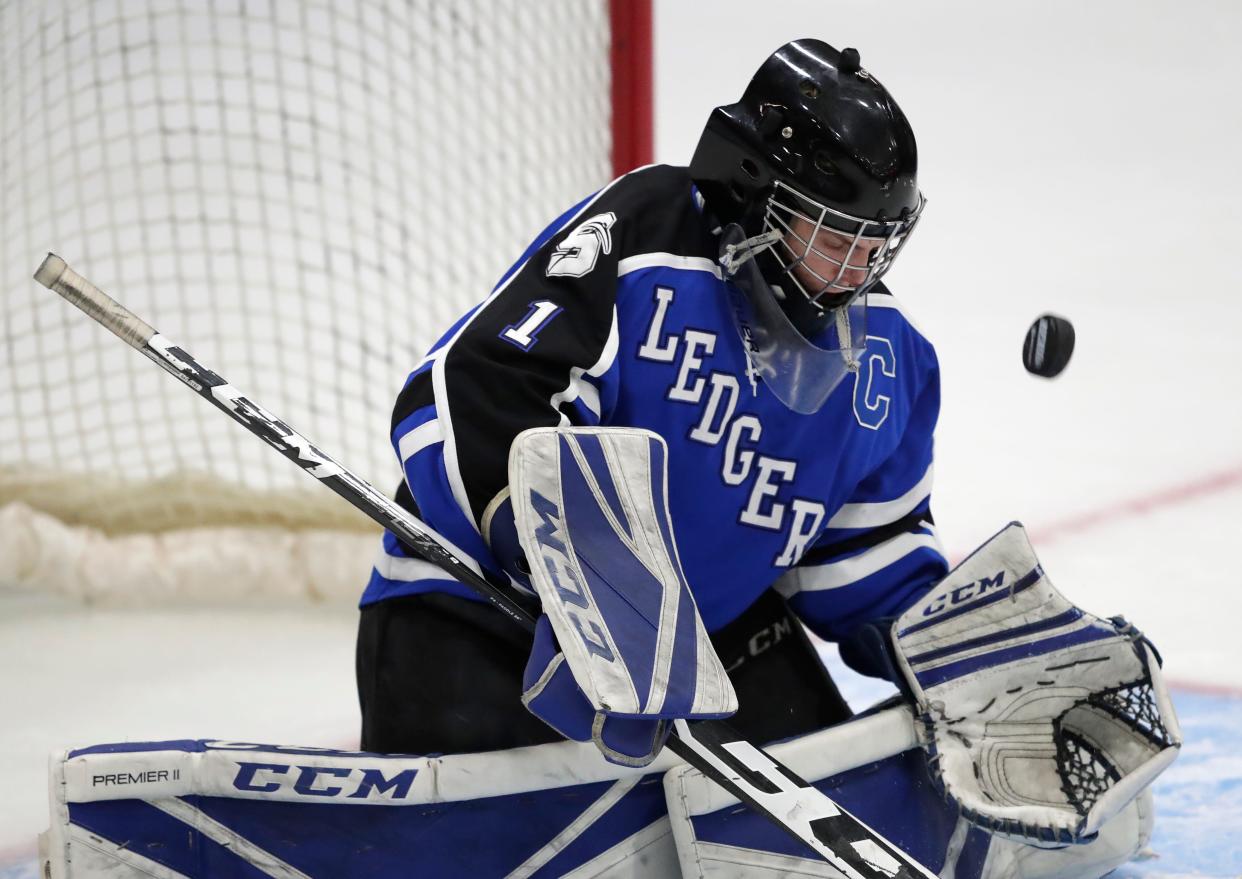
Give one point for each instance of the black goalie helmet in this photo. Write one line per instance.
(817, 166)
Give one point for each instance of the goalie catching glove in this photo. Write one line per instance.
(1042, 721)
(620, 651)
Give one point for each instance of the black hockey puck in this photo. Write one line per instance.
(1048, 346)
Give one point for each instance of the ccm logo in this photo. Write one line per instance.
(323, 781)
(970, 590)
(577, 603)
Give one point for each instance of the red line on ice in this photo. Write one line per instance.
(1213, 483)
(1203, 689)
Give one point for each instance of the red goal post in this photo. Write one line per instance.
(310, 194)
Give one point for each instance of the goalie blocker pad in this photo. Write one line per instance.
(1042, 721)
(621, 650)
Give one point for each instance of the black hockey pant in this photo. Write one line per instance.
(439, 674)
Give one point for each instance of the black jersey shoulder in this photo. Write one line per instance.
(657, 211)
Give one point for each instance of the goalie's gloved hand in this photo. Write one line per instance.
(552, 694)
(868, 651)
(1041, 721)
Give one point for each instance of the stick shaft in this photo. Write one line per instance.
(712, 747)
(57, 276)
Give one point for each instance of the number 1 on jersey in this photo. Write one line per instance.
(525, 332)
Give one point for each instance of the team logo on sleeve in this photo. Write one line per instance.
(576, 255)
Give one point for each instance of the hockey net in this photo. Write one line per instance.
(306, 195)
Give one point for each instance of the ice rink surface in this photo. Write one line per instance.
(1078, 158)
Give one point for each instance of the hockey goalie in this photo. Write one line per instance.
(1023, 745)
(688, 425)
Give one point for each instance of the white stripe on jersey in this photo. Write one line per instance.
(891, 301)
(834, 575)
(667, 260)
(580, 388)
(877, 514)
(412, 569)
(452, 468)
(418, 439)
(408, 570)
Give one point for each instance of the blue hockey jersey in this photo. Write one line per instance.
(618, 314)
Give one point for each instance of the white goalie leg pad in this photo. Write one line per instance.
(873, 765)
(1119, 841)
(591, 510)
(201, 809)
(1042, 720)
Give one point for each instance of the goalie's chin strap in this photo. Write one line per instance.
(735, 255)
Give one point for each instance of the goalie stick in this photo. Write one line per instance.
(712, 747)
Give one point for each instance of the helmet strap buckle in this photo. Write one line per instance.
(736, 255)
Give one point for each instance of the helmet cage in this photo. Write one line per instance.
(873, 245)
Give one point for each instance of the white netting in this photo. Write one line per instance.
(304, 195)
